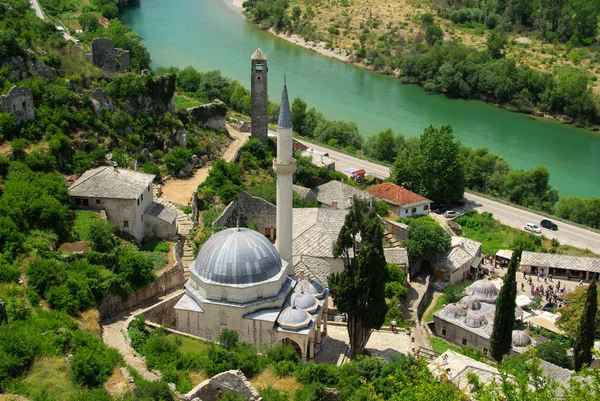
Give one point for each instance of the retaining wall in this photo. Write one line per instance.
(424, 299)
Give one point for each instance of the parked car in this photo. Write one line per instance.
(533, 228)
(450, 214)
(549, 225)
(438, 208)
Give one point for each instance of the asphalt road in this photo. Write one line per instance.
(511, 216)
(38, 9)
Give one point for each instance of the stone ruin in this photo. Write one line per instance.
(108, 58)
(209, 116)
(232, 381)
(19, 103)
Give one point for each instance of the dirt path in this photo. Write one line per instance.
(180, 191)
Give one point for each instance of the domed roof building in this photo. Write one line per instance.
(240, 281)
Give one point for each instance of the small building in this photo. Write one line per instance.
(357, 174)
(401, 201)
(503, 257)
(338, 195)
(575, 267)
(460, 262)
(319, 159)
(397, 229)
(126, 197)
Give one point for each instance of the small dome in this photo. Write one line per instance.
(238, 256)
(483, 290)
(293, 318)
(452, 311)
(520, 338)
(305, 301)
(470, 303)
(311, 287)
(475, 320)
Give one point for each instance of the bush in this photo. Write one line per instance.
(228, 339)
(284, 368)
(91, 367)
(280, 352)
(317, 373)
(152, 391)
(8, 271)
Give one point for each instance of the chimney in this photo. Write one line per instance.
(334, 205)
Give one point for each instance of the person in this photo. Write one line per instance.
(580, 283)
(220, 394)
(522, 287)
(393, 325)
(524, 276)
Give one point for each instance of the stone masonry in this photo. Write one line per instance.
(258, 90)
(19, 103)
(232, 381)
(108, 58)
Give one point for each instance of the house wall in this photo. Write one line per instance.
(157, 228)
(407, 211)
(247, 209)
(456, 334)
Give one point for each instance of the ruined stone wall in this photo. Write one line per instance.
(425, 298)
(19, 103)
(245, 210)
(108, 58)
(210, 116)
(174, 277)
(163, 313)
(232, 381)
(123, 60)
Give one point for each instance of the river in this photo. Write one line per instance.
(212, 34)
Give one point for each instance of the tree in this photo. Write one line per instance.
(426, 239)
(359, 290)
(298, 112)
(228, 339)
(433, 33)
(504, 319)
(584, 342)
(496, 44)
(88, 22)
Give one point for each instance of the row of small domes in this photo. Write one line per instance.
(303, 302)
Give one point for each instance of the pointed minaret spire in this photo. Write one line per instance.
(284, 166)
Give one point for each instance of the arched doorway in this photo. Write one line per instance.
(294, 344)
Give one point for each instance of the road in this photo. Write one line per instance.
(38, 9)
(567, 234)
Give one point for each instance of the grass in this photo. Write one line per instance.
(158, 259)
(268, 378)
(439, 304)
(83, 220)
(440, 346)
(184, 102)
(191, 344)
(50, 377)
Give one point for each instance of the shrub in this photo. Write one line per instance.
(284, 368)
(91, 367)
(317, 373)
(228, 339)
(8, 271)
(152, 391)
(280, 352)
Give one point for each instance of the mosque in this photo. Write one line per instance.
(241, 282)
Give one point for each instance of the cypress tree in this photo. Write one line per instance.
(582, 351)
(504, 319)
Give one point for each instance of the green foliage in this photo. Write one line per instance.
(583, 211)
(338, 134)
(153, 391)
(224, 179)
(433, 33)
(584, 340)
(228, 339)
(177, 159)
(91, 366)
(426, 239)
(504, 319)
(360, 288)
(8, 271)
(554, 352)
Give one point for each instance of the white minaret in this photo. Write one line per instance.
(284, 166)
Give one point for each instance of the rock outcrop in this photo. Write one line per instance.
(209, 116)
(99, 102)
(108, 58)
(232, 381)
(19, 103)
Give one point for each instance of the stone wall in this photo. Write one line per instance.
(459, 335)
(108, 58)
(209, 116)
(245, 210)
(232, 381)
(174, 277)
(163, 313)
(425, 298)
(19, 103)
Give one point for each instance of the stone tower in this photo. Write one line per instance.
(284, 166)
(260, 103)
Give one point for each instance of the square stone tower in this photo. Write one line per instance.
(258, 90)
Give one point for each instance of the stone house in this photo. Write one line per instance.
(401, 201)
(337, 195)
(578, 267)
(456, 264)
(319, 159)
(126, 197)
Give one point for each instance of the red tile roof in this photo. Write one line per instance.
(395, 194)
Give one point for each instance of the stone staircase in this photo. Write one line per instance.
(391, 239)
(184, 226)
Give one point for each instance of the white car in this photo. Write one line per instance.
(533, 228)
(450, 214)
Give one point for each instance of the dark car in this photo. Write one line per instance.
(438, 208)
(549, 225)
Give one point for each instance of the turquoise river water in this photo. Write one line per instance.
(212, 34)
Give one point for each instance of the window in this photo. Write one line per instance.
(485, 351)
(97, 201)
(268, 232)
(138, 201)
(77, 202)
(148, 188)
(464, 341)
(426, 207)
(86, 202)
(444, 332)
(125, 223)
(258, 67)
(142, 197)
(414, 210)
(223, 319)
(142, 217)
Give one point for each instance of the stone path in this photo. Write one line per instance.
(113, 335)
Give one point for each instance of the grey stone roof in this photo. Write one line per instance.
(161, 212)
(259, 55)
(285, 118)
(315, 231)
(340, 193)
(314, 269)
(554, 260)
(111, 183)
(305, 193)
(238, 256)
(463, 250)
(397, 256)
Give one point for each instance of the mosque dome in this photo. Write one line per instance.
(475, 320)
(452, 311)
(238, 256)
(293, 318)
(520, 338)
(470, 303)
(483, 290)
(311, 287)
(305, 301)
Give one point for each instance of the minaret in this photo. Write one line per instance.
(259, 111)
(284, 166)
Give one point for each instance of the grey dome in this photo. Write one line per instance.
(520, 338)
(238, 256)
(475, 320)
(483, 290)
(452, 311)
(311, 287)
(293, 318)
(305, 301)
(470, 303)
